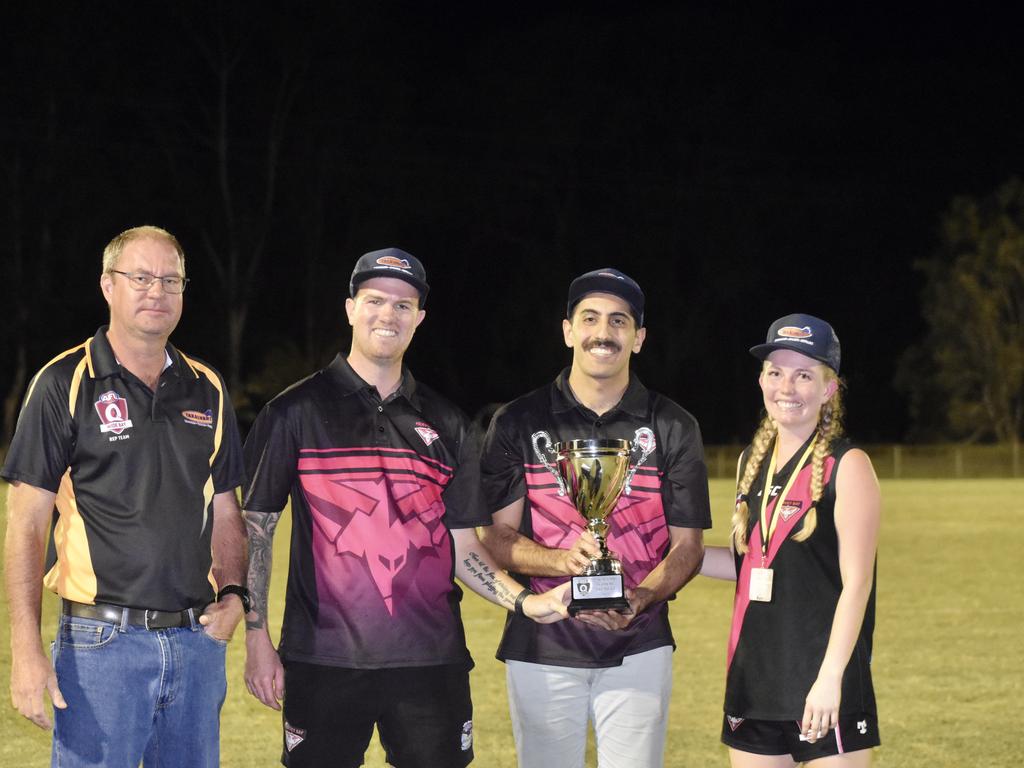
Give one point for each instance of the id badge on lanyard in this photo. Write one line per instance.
(761, 578)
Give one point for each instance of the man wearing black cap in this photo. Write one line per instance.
(611, 668)
(384, 486)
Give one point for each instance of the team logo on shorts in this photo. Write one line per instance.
(734, 722)
(113, 412)
(199, 418)
(467, 735)
(789, 508)
(293, 736)
(862, 726)
(426, 432)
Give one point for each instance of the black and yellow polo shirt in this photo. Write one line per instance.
(135, 472)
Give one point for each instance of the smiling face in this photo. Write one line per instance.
(602, 335)
(384, 316)
(151, 314)
(795, 387)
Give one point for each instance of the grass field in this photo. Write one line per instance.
(949, 660)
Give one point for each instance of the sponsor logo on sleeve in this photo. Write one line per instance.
(426, 432)
(467, 735)
(113, 413)
(199, 418)
(734, 722)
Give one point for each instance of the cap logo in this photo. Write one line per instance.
(792, 332)
(394, 262)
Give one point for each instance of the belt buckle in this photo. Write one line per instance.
(145, 617)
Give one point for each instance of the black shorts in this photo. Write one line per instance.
(423, 714)
(782, 737)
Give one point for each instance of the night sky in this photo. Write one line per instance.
(740, 164)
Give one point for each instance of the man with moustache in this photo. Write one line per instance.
(609, 667)
(384, 486)
(135, 445)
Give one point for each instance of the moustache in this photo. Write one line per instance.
(607, 343)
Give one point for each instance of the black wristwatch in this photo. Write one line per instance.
(242, 592)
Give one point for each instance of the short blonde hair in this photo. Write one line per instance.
(112, 253)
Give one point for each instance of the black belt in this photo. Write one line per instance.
(135, 617)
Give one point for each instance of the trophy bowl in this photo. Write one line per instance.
(593, 473)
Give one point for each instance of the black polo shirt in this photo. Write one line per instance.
(135, 472)
(669, 488)
(375, 488)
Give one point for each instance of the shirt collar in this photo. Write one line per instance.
(634, 400)
(103, 362)
(345, 377)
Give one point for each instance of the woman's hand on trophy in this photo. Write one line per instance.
(548, 607)
(576, 559)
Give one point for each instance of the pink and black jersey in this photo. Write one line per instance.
(669, 488)
(375, 487)
(776, 648)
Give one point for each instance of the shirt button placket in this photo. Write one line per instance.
(381, 431)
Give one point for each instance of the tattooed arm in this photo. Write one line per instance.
(477, 570)
(264, 674)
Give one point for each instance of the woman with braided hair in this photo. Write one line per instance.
(804, 536)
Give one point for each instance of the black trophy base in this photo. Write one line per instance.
(598, 593)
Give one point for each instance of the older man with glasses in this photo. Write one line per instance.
(134, 445)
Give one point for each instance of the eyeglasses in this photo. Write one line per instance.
(143, 281)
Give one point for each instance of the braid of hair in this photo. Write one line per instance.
(758, 450)
(830, 427)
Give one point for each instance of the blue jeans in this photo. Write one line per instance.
(136, 694)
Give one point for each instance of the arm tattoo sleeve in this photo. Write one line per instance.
(261, 527)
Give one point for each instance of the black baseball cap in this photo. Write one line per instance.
(806, 334)
(611, 281)
(390, 262)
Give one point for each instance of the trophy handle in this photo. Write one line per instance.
(543, 451)
(644, 443)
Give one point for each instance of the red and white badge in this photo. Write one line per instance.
(788, 509)
(113, 412)
(426, 432)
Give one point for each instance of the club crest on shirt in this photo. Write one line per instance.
(426, 432)
(293, 736)
(199, 418)
(734, 722)
(789, 508)
(113, 413)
